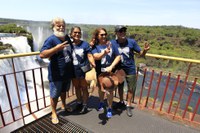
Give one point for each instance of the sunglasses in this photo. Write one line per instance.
(103, 35)
(77, 32)
(122, 30)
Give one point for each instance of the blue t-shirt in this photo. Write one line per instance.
(126, 51)
(58, 70)
(107, 59)
(80, 58)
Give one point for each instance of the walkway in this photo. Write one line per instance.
(140, 122)
(94, 121)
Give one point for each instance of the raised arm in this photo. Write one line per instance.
(99, 56)
(49, 52)
(146, 48)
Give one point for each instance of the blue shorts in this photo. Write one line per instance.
(58, 87)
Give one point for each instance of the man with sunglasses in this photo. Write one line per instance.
(126, 47)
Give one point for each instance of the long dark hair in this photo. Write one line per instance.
(95, 39)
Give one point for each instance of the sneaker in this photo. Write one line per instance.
(100, 107)
(129, 111)
(119, 105)
(78, 107)
(109, 113)
(84, 109)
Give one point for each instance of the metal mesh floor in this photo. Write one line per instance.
(44, 125)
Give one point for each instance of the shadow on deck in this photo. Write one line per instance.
(95, 121)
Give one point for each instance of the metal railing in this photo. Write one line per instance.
(36, 99)
(157, 90)
(170, 92)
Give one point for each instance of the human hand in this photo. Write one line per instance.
(92, 42)
(146, 46)
(107, 50)
(108, 44)
(93, 64)
(109, 69)
(61, 46)
(105, 91)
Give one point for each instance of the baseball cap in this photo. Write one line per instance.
(119, 27)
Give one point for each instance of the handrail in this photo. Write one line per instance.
(173, 58)
(148, 55)
(19, 55)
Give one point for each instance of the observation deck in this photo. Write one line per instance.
(166, 102)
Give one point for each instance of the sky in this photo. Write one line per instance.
(112, 12)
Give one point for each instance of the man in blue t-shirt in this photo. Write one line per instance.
(57, 48)
(126, 47)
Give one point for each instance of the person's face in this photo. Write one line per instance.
(59, 29)
(102, 36)
(121, 34)
(76, 34)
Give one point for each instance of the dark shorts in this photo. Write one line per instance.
(131, 82)
(58, 87)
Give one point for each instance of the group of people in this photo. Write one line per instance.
(69, 56)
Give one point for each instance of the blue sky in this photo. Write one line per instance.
(126, 12)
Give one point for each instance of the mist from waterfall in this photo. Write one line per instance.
(20, 45)
(39, 33)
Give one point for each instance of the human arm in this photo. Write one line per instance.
(91, 60)
(146, 48)
(99, 56)
(47, 53)
(114, 63)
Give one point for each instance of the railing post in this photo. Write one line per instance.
(189, 98)
(42, 84)
(17, 89)
(9, 98)
(165, 91)
(174, 92)
(142, 85)
(195, 110)
(27, 93)
(152, 74)
(157, 87)
(34, 84)
(2, 118)
(179, 100)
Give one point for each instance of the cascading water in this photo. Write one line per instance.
(39, 33)
(20, 45)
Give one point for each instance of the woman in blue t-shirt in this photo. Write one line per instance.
(106, 56)
(81, 57)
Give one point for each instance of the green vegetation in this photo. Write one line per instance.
(18, 30)
(177, 41)
(6, 46)
(174, 104)
(189, 109)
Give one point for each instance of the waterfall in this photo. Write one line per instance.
(39, 33)
(20, 45)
